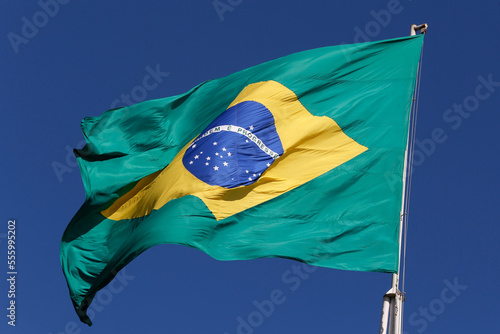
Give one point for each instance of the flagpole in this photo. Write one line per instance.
(392, 305)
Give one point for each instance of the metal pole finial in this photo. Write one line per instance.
(422, 28)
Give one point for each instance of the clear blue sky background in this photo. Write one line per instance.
(86, 54)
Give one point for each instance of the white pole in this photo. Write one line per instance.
(393, 299)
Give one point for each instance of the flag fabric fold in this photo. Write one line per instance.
(300, 157)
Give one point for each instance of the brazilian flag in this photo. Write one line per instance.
(301, 158)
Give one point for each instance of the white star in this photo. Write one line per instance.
(251, 127)
(268, 164)
(246, 171)
(215, 143)
(249, 179)
(216, 153)
(206, 163)
(194, 145)
(225, 164)
(208, 158)
(190, 162)
(246, 141)
(224, 149)
(196, 156)
(254, 175)
(228, 154)
(201, 152)
(216, 168)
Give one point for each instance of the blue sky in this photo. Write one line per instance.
(65, 60)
